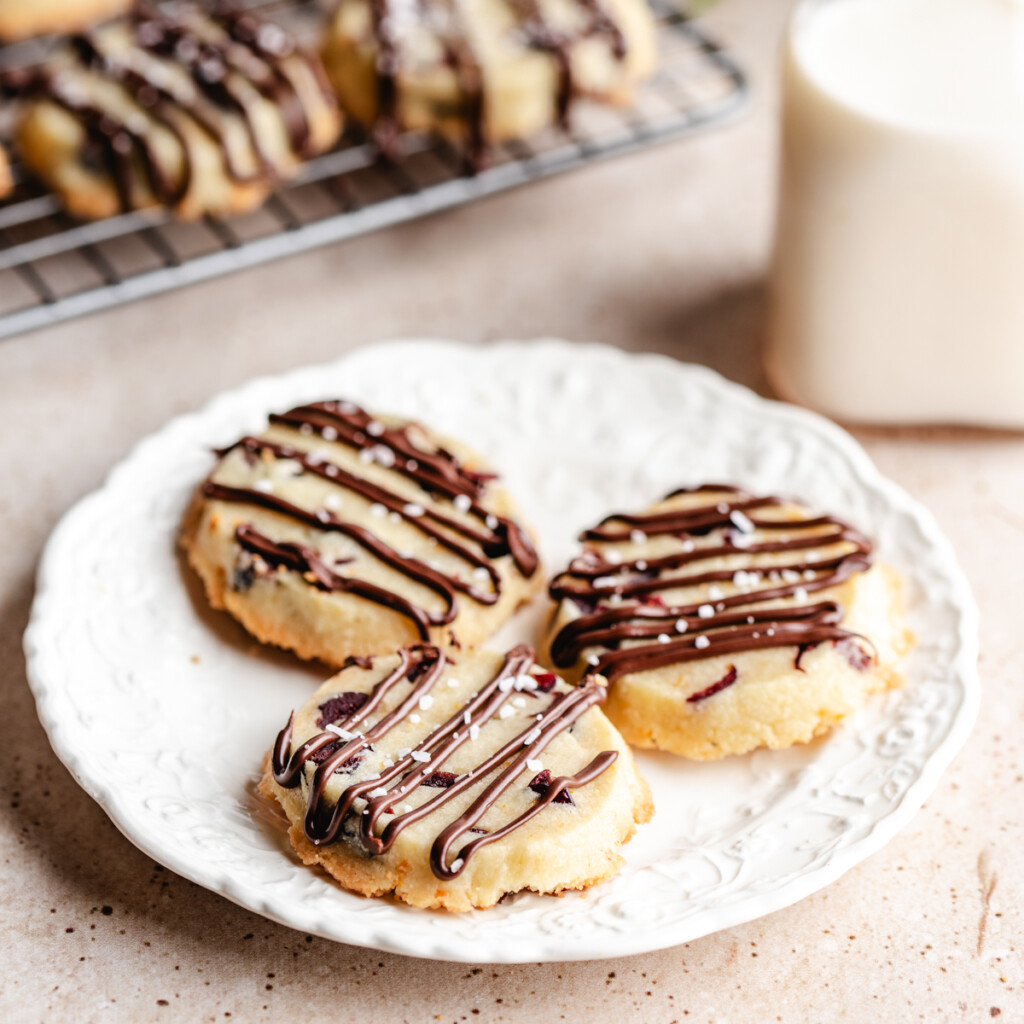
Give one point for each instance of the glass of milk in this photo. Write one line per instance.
(897, 291)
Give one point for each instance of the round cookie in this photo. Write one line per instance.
(337, 533)
(201, 113)
(484, 70)
(452, 780)
(22, 19)
(726, 622)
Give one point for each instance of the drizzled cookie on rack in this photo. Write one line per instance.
(338, 533)
(480, 71)
(202, 113)
(452, 780)
(21, 19)
(725, 621)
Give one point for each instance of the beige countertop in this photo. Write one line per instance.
(664, 251)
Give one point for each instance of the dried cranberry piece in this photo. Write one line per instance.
(652, 599)
(855, 654)
(345, 768)
(341, 706)
(439, 780)
(540, 784)
(546, 681)
(727, 680)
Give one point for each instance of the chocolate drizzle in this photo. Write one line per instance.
(422, 666)
(437, 473)
(182, 64)
(621, 602)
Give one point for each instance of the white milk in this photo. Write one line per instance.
(898, 282)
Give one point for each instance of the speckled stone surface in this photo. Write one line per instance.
(665, 252)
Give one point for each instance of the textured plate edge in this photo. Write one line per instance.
(544, 949)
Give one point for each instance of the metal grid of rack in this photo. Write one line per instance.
(53, 268)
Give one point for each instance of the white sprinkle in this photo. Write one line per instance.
(615, 599)
(457, 864)
(688, 545)
(492, 522)
(604, 581)
(379, 791)
(715, 592)
(705, 611)
(506, 712)
(412, 465)
(663, 638)
(534, 765)
(720, 606)
(741, 522)
(453, 684)
(723, 507)
(750, 620)
(681, 626)
(769, 632)
(641, 564)
(331, 470)
(263, 486)
(425, 702)
(329, 434)
(809, 574)
(592, 659)
(412, 509)
(740, 540)
(701, 642)
(415, 719)
(481, 574)
(387, 763)
(378, 510)
(638, 536)
(347, 408)
(506, 685)
(338, 731)
(421, 755)
(455, 735)
(462, 502)
(741, 578)
(405, 808)
(384, 455)
(394, 517)
(467, 717)
(756, 635)
(305, 428)
(315, 458)
(527, 683)
(519, 702)
(813, 556)
(790, 576)
(800, 594)
(366, 455)
(405, 752)
(375, 428)
(333, 502)
(323, 515)
(532, 736)
(474, 731)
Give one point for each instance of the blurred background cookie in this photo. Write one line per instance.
(201, 113)
(21, 19)
(338, 533)
(484, 70)
(725, 621)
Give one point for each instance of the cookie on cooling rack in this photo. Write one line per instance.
(337, 533)
(453, 780)
(22, 19)
(202, 113)
(486, 70)
(725, 621)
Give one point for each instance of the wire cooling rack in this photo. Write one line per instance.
(53, 268)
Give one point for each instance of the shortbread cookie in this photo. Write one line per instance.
(6, 181)
(454, 780)
(21, 19)
(725, 622)
(337, 533)
(200, 113)
(484, 70)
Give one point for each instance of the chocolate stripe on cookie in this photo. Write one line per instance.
(620, 600)
(422, 666)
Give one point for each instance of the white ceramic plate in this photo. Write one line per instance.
(162, 709)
